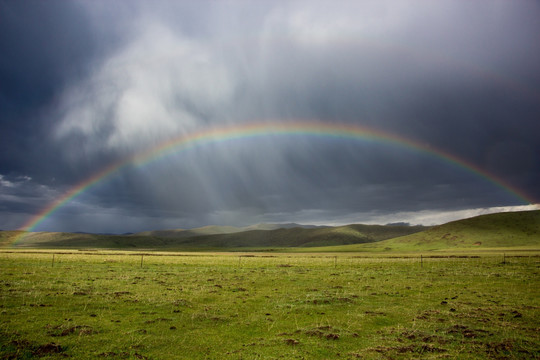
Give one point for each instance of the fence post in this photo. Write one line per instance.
(421, 261)
(52, 265)
(142, 257)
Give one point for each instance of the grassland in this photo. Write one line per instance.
(121, 305)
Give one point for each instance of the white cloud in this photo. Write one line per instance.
(437, 217)
(158, 85)
(6, 183)
(13, 183)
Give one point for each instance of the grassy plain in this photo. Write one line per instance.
(120, 305)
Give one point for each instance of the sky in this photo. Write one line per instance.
(451, 89)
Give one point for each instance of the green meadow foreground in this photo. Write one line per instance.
(102, 304)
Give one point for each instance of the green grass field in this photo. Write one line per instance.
(102, 304)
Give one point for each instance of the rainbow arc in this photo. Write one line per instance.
(263, 129)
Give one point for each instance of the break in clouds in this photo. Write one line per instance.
(86, 84)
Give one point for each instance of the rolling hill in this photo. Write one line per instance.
(217, 237)
(494, 230)
(182, 233)
(515, 229)
(215, 230)
(302, 237)
(501, 230)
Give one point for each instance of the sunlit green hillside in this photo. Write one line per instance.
(512, 229)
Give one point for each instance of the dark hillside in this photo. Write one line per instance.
(303, 237)
(209, 237)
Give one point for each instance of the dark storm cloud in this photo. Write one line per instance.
(88, 83)
(42, 47)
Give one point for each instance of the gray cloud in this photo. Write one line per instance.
(459, 76)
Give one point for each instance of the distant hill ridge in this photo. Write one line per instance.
(495, 230)
(216, 229)
(302, 236)
(218, 237)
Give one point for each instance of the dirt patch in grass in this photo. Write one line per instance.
(122, 355)
(61, 330)
(374, 313)
(157, 320)
(467, 332)
(23, 349)
(182, 302)
(416, 335)
(48, 349)
(292, 342)
(239, 289)
(413, 348)
(323, 332)
(509, 349)
(428, 315)
(81, 293)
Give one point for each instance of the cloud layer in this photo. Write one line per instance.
(86, 84)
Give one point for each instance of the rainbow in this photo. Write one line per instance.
(261, 129)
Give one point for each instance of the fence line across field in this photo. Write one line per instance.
(258, 260)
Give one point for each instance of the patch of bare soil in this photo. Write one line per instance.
(61, 330)
(291, 342)
(510, 349)
(324, 332)
(374, 313)
(467, 332)
(122, 355)
(157, 320)
(48, 349)
(81, 293)
(413, 348)
(22, 349)
(416, 335)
